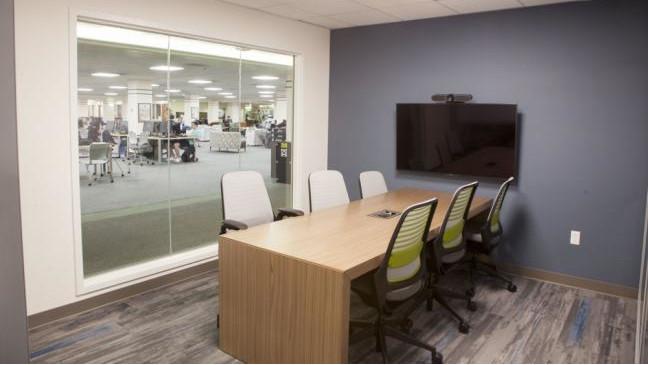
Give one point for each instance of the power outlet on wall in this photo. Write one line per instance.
(574, 238)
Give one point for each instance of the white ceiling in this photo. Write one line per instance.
(335, 14)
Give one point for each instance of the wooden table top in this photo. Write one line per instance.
(345, 238)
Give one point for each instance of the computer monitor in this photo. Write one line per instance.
(147, 127)
(110, 125)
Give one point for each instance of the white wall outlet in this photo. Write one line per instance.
(574, 238)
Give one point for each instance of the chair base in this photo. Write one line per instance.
(381, 329)
(439, 295)
(489, 270)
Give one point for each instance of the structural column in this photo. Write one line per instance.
(191, 103)
(213, 110)
(139, 92)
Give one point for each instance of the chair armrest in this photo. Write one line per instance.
(288, 212)
(233, 225)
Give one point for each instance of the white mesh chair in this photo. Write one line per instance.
(99, 156)
(246, 202)
(326, 189)
(372, 183)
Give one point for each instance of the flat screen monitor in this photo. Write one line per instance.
(110, 125)
(147, 127)
(477, 140)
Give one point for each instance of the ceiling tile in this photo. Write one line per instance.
(544, 2)
(328, 7)
(366, 17)
(328, 22)
(388, 3)
(255, 3)
(289, 11)
(418, 11)
(472, 6)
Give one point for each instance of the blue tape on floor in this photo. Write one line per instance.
(69, 341)
(578, 326)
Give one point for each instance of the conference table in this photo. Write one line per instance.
(284, 292)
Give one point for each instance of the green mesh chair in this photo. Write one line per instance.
(397, 287)
(483, 236)
(448, 249)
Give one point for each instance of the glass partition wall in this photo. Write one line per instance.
(160, 119)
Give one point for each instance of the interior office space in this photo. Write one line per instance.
(243, 180)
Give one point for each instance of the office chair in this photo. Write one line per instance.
(483, 236)
(246, 202)
(447, 250)
(98, 156)
(326, 189)
(398, 283)
(372, 183)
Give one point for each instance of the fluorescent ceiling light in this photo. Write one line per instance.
(225, 93)
(111, 94)
(266, 92)
(265, 78)
(117, 87)
(265, 96)
(266, 87)
(84, 89)
(202, 97)
(155, 85)
(104, 74)
(166, 68)
(160, 95)
(105, 33)
(230, 96)
(172, 90)
(202, 82)
(213, 88)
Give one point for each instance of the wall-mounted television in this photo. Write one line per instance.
(457, 139)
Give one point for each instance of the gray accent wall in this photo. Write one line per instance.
(579, 74)
(13, 313)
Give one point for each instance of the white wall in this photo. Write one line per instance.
(42, 72)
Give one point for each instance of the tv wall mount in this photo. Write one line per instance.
(452, 98)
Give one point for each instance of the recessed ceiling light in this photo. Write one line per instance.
(104, 74)
(155, 85)
(160, 95)
(265, 77)
(84, 89)
(225, 93)
(172, 90)
(111, 94)
(266, 87)
(213, 88)
(166, 68)
(201, 82)
(230, 96)
(117, 87)
(266, 92)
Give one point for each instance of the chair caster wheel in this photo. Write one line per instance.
(407, 325)
(512, 288)
(437, 359)
(472, 306)
(470, 292)
(112, 181)
(122, 175)
(464, 327)
(89, 184)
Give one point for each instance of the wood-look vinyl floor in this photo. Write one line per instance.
(540, 323)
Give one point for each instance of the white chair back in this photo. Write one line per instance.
(372, 183)
(245, 198)
(326, 189)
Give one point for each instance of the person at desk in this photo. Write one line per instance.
(227, 122)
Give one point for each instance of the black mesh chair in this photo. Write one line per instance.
(397, 287)
(448, 249)
(483, 236)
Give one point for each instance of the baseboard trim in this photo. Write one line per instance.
(39, 319)
(569, 280)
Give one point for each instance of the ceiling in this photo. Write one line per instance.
(133, 63)
(334, 14)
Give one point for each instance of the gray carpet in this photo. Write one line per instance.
(127, 222)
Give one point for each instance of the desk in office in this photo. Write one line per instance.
(158, 139)
(285, 286)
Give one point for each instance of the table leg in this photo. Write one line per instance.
(160, 151)
(277, 309)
